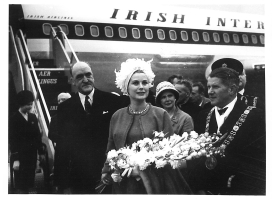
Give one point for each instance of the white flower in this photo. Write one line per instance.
(189, 157)
(202, 138)
(206, 134)
(158, 134)
(174, 163)
(194, 134)
(185, 153)
(185, 135)
(185, 147)
(194, 154)
(122, 163)
(195, 146)
(160, 163)
(134, 146)
(111, 154)
(143, 159)
(203, 152)
(147, 142)
(164, 142)
(202, 144)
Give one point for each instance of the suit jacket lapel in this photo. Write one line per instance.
(213, 124)
(77, 104)
(96, 98)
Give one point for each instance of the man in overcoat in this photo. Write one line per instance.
(241, 133)
(83, 121)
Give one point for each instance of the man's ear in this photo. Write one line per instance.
(233, 89)
(72, 81)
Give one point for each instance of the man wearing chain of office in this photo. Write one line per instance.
(239, 136)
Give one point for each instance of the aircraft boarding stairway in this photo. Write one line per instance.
(46, 78)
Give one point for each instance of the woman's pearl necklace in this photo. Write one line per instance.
(138, 112)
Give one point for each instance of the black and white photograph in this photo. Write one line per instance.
(117, 97)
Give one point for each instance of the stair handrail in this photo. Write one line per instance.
(17, 55)
(55, 37)
(39, 103)
(69, 44)
(35, 76)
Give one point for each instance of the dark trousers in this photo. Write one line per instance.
(24, 178)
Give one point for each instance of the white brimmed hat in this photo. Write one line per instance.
(165, 85)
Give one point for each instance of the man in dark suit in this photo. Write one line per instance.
(184, 87)
(83, 120)
(198, 95)
(241, 131)
(53, 127)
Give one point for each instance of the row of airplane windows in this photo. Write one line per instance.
(94, 31)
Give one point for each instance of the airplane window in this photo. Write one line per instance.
(148, 33)
(216, 37)
(94, 31)
(195, 36)
(161, 34)
(245, 38)
(262, 39)
(136, 33)
(206, 36)
(254, 39)
(46, 28)
(79, 30)
(64, 28)
(226, 37)
(108, 31)
(235, 38)
(122, 32)
(184, 35)
(173, 35)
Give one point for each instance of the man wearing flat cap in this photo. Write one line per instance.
(238, 67)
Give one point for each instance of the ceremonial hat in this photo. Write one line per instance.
(229, 63)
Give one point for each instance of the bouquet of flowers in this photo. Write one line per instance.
(160, 151)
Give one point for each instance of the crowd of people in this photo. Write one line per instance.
(91, 122)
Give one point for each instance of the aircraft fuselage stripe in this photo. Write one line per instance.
(34, 31)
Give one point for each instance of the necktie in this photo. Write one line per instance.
(87, 104)
(222, 111)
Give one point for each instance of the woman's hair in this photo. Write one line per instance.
(24, 97)
(128, 68)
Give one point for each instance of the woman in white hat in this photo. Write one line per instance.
(166, 96)
(136, 122)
